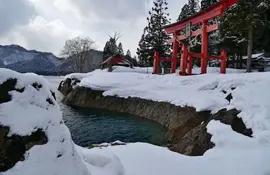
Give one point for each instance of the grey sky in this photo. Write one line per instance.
(46, 24)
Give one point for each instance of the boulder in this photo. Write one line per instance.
(13, 148)
(195, 142)
(33, 137)
(230, 117)
(66, 86)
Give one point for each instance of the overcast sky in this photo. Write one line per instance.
(45, 25)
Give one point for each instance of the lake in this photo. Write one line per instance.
(91, 126)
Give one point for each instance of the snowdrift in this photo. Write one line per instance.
(233, 153)
(42, 143)
(27, 107)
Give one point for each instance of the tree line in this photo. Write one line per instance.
(245, 29)
(79, 49)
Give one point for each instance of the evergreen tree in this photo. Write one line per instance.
(205, 4)
(247, 32)
(128, 54)
(154, 37)
(135, 61)
(144, 51)
(188, 10)
(130, 59)
(106, 51)
(184, 13)
(110, 48)
(120, 49)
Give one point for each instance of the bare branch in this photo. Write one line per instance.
(77, 49)
(116, 36)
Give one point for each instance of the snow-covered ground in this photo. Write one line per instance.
(29, 111)
(119, 69)
(233, 154)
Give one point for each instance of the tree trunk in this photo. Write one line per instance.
(250, 48)
(241, 58)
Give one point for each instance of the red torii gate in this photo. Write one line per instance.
(201, 18)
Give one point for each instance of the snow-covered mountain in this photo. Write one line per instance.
(19, 59)
(22, 60)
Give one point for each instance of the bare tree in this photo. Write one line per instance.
(116, 36)
(77, 49)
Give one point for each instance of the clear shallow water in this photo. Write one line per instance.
(91, 126)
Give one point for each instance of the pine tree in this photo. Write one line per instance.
(188, 10)
(154, 37)
(129, 58)
(120, 49)
(205, 4)
(106, 52)
(110, 48)
(247, 32)
(128, 54)
(144, 51)
(184, 13)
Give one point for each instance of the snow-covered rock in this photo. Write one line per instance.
(34, 139)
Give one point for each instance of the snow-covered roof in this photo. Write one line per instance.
(117, 59)
(254, 56)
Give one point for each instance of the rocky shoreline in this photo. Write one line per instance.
(187, 132)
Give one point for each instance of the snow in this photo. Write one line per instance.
(254, 56)
(216, 70)
(203, 92)
(227, 158)
(80, 76)
(144, 70)
(29, 111)
(233, 154)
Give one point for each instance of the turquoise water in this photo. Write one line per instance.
(90, 126)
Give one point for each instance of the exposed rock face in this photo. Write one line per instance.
(33, 137)
(230, 118)
(66, 86)
(195, 142)
(187, 132)
(13, 148)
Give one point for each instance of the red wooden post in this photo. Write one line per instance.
(204, 48)
(155, 66)
(156, 63)
(189, 64)
(184, 56)
(200, 18)
(174, 56)
(223, 62)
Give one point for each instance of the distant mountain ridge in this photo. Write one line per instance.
(22, 60)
